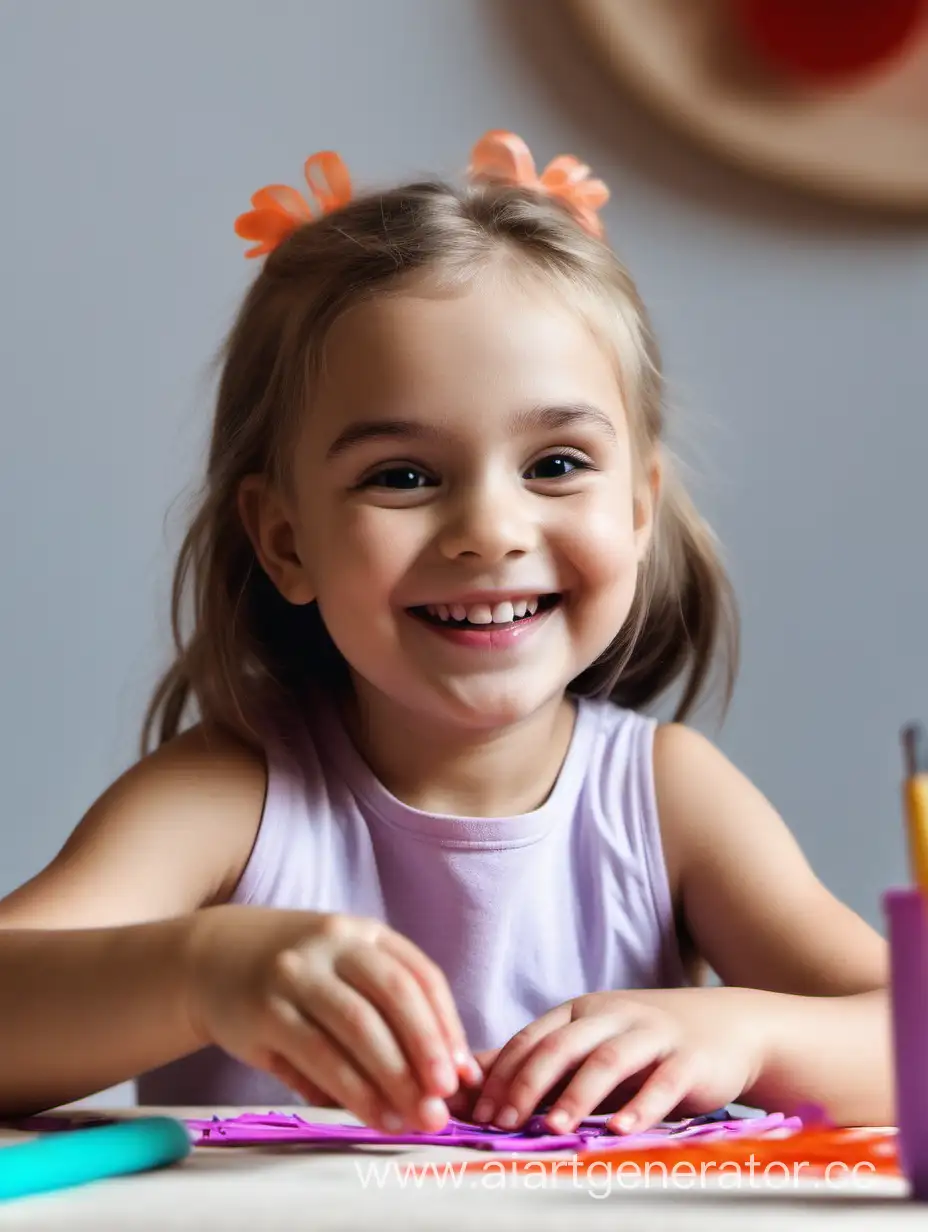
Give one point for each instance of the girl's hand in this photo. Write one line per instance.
(643, 1054)
(463, 1102)
(340, 1008)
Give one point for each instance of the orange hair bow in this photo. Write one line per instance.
(279, 209)
(504, 157)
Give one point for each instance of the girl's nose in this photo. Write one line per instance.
(488, 525)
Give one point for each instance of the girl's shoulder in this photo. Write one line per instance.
(748, 889)
(220, 783)
(169, 835)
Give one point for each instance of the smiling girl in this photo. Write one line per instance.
(441, 568)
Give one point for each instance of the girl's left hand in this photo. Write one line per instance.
(698, 1048)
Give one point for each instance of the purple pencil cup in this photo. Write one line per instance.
(906, 913)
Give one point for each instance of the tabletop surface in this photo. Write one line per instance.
(277, 1186)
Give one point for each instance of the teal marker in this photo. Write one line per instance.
(74, 1157)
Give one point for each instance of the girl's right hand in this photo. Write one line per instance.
(331, 1004)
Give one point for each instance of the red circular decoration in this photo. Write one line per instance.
(828, 38)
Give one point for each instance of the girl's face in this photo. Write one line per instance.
(464, 509)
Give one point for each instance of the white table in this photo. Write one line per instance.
(225, 1188)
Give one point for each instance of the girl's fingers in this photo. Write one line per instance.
(392, 988)
(434, 985)
(667, 1087)
(551, 1058)
(464, 1100)
(461, 1103)
(302, 1049)
(609, 1064)
(511, 1057)
(363, 1036)
(486, 1058)
(300, 1084)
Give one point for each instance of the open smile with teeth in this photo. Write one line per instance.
(475, 615)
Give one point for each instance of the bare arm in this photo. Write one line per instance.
(85, 1009)
(94, 950)
(835, 1052)
(764, 921)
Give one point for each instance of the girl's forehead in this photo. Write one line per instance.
(493, 336)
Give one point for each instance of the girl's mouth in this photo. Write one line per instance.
(486, 617)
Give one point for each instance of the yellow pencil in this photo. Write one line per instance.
(915, 749)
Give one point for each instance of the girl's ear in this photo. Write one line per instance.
(271, 527)
(645, 505)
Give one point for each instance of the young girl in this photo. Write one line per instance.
(421, 848)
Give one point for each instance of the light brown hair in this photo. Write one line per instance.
(247, 651)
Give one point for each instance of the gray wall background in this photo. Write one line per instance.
(132, 135)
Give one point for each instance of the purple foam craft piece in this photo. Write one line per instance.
(256, 1129)
(907, 916)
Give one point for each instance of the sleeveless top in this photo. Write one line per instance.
(521, 913)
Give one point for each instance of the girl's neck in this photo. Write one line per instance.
(503, 772)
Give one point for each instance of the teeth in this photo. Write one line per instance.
(482, 613)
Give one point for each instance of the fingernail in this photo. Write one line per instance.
(434, 1112)
(624, 1122)
(483, 1112)
(391, 1122)
(559, 1120)
(445, 1076)
(508, 1118)
(468, 1066)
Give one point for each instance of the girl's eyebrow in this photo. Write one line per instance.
(534, 419)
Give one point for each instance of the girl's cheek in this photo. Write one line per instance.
(600, 547)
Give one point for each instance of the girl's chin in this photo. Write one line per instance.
(491, 709)
(473, 703)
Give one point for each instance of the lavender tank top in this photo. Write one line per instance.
(521, 913)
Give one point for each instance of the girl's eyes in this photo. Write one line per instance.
(557, 466)
(398, 479)
(406, 478)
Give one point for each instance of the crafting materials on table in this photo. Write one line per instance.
(906, 912)
(804, 1155)
(59, 1160)
(256, 1129)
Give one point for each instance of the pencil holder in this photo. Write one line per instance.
(906, 913)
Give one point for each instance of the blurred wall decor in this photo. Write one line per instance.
(830, 95)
